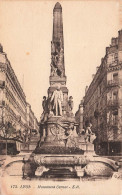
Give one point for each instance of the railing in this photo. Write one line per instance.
(113, 83)
(113, 103)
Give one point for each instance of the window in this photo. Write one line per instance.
(115, 76)
(115, 95)
(111, 58)
(115, 118)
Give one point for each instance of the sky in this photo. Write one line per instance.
(26, 33)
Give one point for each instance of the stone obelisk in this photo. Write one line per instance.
(57, 73)
(57, 113)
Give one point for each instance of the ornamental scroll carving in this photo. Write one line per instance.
(64, 133)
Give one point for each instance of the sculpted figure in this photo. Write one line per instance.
(65, 133)
(52, 47)
(54, 67)
(61, 56)
(70, 103)
(89, 136)
(45, 109)
(57, 59)
(60, 62)
(70, 141)
(61, 43)
(57, 99)
(53, 70)
(44, 103)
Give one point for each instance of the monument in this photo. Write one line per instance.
(57, 120)
(62, 151)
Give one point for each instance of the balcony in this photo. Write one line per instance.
(114, 83)
(113, 103)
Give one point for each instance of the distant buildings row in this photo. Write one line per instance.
(13, 105)
(102, 104)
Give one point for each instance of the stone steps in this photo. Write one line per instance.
(59, 173)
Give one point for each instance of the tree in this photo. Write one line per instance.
(8, 132)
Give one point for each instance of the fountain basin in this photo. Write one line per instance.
(80, 164)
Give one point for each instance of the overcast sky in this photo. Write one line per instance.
(26, 33)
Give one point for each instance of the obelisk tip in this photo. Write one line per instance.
(57, 6)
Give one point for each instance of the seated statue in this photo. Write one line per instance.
(89, 135)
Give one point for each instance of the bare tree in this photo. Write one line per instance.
(8, 131)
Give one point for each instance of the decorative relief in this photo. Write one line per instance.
(57, 59)
(63, 132)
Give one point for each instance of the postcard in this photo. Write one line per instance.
(60, 97)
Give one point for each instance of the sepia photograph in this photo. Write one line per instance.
(60, 97)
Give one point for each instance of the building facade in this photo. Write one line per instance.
(103, 100)
(13, 105)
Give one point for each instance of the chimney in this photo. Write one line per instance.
(1, 48)
(81, 102)
(93, 76)
(114, 41)
(120, 40)
(107, 50)
(97, 68)
(102, 60)
(86, 89)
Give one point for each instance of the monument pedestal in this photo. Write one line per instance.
(89, 149)
(79, 171)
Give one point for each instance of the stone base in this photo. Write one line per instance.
(32, 146)
(54, 132)
(55, 165)
(90, 149)
(55, 81)
(80, 171)
(82, 146)
(57, 150)
(63, 172)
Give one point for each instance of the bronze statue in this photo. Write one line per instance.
(57, 98)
